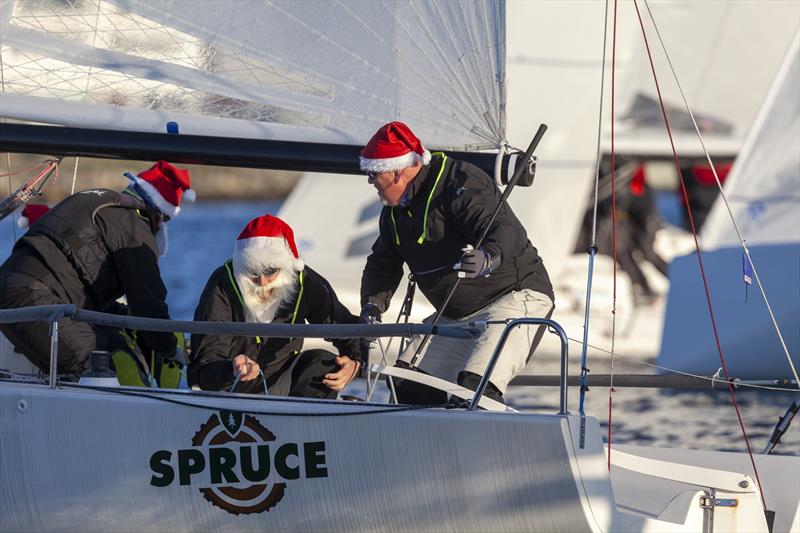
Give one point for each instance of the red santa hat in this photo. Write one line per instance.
(166, 186)
(30, 214)
(393, 147)
(266, 241)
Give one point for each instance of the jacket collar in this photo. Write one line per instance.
(419, 183)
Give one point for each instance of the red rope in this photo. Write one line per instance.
(32, 167)
(52, 165)
(700, 261)
(613, 218)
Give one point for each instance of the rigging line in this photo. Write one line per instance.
(593, 246)
(165, 399)
(613, 230)
(74, 175)
(635, 359)
(27, 169)
(724, 198)
(599, 126)
(700, 260)
(10, 192)
(94, 45)
(8, 154)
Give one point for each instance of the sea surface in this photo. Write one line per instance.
(201, 238)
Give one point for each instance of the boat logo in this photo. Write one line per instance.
(238, 464)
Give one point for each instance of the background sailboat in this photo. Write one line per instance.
(764, 193)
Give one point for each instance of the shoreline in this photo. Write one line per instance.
(209, 182)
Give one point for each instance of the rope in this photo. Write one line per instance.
(10, 192)
(74, 176)
(124, 392)
(725, 198)
(712, 379)
(613, 231)
(26, 169)
(263, 379)
(700, 259)
(8, 154)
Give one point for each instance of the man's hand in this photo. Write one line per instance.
(475, 262)
(245, 368)
(370, 314)
(348, 369)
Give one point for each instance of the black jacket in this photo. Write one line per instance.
(94, 247)
(459, 205)
(211, 366)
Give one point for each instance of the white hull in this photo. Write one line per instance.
(749, 343)
(76, 459)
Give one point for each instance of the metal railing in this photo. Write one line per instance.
(510, 325)
(53, 313)
(463, 330)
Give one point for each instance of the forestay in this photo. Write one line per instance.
(306, 71)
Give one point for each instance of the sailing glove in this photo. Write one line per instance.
(476, 262)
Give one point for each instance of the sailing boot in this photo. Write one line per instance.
(410, 392)
(470, 380)
(169, 371)
(130, 370)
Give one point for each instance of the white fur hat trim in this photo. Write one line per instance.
(256, 252)
(390, 164)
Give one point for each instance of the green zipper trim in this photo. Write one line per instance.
(430, 197)
(296, 307)
(427, 206)
(228, 264)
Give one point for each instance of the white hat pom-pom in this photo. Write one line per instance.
(299, 265)
(189, 195)
(22, 222)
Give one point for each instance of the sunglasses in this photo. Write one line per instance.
(266, 272)
(372, 176)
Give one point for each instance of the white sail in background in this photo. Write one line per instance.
(763, 190)
(310, 71)
(763, 187)
(724, 70)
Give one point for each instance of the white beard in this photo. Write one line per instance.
(260, 310)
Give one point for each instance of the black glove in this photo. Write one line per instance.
(476, 262)
(370, 314)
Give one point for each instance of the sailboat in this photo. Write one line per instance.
(764, 190)
(301, 86)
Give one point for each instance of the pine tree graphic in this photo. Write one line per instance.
(231, 420)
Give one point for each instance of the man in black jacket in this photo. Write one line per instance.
(89, 250)
(266, 282)
(435, 210)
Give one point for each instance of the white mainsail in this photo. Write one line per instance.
(310, 71)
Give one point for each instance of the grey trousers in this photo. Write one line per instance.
(445, 357)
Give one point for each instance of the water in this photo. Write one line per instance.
(703, 420)
(202, 238)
